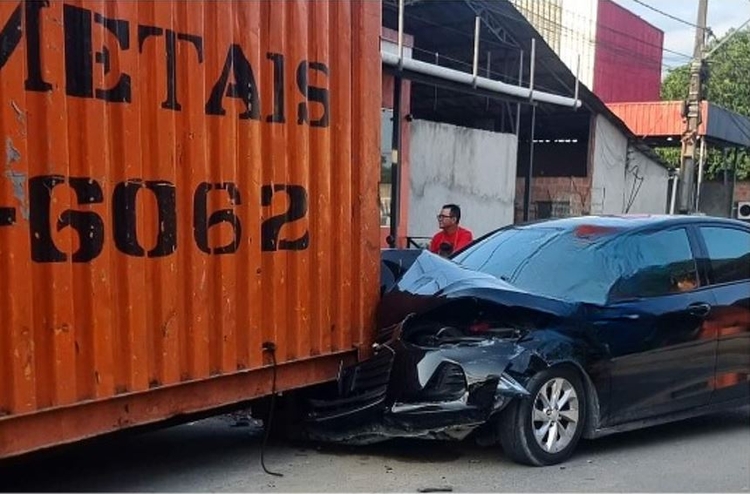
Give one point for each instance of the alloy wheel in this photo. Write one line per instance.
(555, 415)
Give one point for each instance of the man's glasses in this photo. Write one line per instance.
(443, 216)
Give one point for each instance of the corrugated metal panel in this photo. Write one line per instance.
(727, 126)
(628, 56)
(653, 119)
(183, 181)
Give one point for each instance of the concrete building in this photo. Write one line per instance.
(661, 125)
(462, 145)
(620, 53)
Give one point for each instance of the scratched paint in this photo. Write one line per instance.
(17, 179)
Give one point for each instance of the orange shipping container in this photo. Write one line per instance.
(182, 182)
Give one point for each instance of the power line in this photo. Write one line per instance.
(622, 52)
(468, 34)
(562, 27)
(577, 36)
(565, 30)
(667, 14)
(562, 31)
(573, 34)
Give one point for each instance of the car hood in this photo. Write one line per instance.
(432, 281)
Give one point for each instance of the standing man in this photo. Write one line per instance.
(451, 237)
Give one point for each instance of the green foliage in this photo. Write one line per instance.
(671, 156)
(675, 85)
(714, 162)
(728, 86)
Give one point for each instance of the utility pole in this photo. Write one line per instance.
(693, 115)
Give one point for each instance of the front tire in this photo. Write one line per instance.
(545, 428)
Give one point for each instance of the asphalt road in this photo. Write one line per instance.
(708, 454)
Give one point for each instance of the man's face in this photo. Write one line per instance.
(445, 219)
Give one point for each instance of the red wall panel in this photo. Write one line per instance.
(627, 64)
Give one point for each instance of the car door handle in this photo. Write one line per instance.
(627, 317)
(617, 317)
(700, 309)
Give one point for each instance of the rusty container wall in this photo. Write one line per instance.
(182, 182)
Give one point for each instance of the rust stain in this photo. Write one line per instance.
(63, 328)
(20, 116)
(27, 369)
(165, 327)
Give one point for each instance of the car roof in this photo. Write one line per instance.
(631, 222)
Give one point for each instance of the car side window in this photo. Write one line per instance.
(728, 253)
(654, 264)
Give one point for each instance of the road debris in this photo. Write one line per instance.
(444, 488)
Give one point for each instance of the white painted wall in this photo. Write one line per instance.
(617, 172)
(569, 28)
(609, 158)
(648, 196)
(578, 37)
(475, 169)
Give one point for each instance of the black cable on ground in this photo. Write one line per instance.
(270, 347)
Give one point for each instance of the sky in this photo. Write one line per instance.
(678, 37)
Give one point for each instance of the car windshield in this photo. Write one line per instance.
(558, 263)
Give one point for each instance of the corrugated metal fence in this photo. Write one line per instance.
(182, 182)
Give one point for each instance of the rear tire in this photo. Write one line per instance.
(545, 428)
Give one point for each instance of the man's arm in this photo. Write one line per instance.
(463, 240)
(434, 244)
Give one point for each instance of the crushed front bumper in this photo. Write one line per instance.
(362, 392)
(410, 391)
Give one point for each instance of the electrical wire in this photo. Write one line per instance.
(548, 20)
(633, 59)
(520, 18)
(270, 347)
(618, 52)
(507, 78)
(667, 14)
(412, 16)
(573, 31)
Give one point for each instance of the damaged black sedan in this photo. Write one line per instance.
(538, 335)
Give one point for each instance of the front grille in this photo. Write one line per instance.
(370, 374)
(362, 389)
